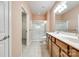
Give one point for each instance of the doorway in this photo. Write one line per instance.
(24, 29)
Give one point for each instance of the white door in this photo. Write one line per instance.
(4, 36)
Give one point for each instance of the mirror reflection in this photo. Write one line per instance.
(67, 16)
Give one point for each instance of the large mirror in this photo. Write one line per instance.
(67, 16)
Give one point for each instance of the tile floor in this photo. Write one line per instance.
(36, 49)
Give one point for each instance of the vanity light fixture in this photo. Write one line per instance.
(61, 7)
(57, 8)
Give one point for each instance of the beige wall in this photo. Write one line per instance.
(38, 17)
(72, 17)
(16, 20)
(16, 29)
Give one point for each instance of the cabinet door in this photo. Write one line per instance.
(55, 50)
(63, 54)
(74, 53)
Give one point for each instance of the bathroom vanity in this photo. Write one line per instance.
(61, 45)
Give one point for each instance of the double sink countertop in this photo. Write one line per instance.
(69, 38)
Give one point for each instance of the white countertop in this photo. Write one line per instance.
(72, 41)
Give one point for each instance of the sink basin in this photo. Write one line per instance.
(75, 40)
(56, 32)
(72, 37)
(68, 36)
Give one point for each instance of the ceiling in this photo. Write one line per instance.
(40, 7)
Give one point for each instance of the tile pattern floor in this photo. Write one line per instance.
(36, 49)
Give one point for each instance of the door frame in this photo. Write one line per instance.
(23, 12)
(10, 27)
(6, 51)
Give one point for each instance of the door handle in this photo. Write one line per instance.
(6, 37)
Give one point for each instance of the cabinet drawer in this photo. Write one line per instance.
(61, 45)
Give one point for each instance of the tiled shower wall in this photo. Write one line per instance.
(38, 30)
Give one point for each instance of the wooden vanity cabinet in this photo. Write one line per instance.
(57, 48)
